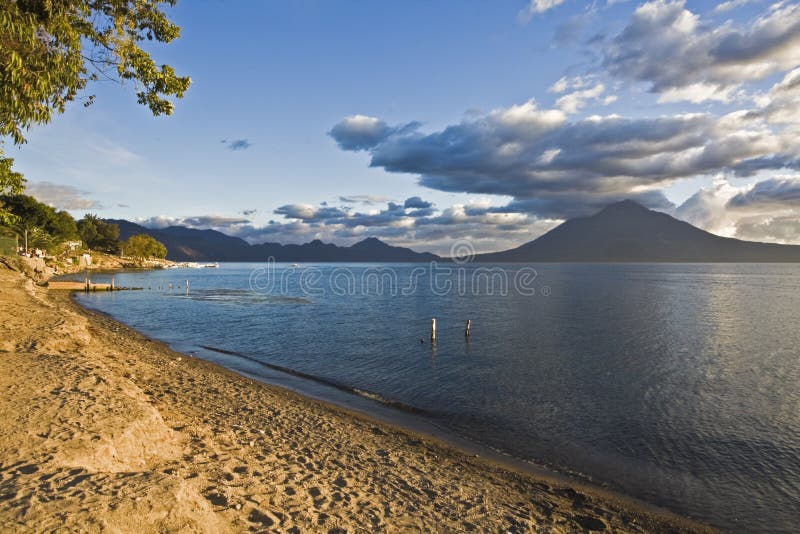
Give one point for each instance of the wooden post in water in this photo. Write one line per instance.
(433, 329)
(87, 283)
(466, 328)
(112, 283)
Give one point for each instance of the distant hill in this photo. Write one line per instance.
(621, 232)
(189, 244)
(628, 232)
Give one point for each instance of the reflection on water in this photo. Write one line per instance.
(674, 383)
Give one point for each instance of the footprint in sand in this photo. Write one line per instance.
(217, 499)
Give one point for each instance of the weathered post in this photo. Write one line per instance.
(433, 329)
(466, 328)
(112, 283)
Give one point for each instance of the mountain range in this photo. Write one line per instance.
(621, 232)
(190, 244)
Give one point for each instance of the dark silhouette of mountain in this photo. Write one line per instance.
(189, 244)
(628, 232)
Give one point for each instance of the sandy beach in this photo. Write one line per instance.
(103, 429)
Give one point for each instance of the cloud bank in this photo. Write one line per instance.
(59, 196)
(684, 59)
(559, 168)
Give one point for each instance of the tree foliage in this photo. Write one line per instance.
(144, 246)
(32, 236)
(11, 183)
(51, 49)
(98, 234)
(27, 213)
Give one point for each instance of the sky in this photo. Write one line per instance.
(429, 124)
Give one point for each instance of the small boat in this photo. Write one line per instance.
(295, 265)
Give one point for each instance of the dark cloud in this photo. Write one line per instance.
(60, 196)
(363, 199)
(771, 193)
(237, 144)
(360, 132)
(417, 203)
(422, 212)
(559, 168)
(249, 212)
(682, 58)
(580, 204)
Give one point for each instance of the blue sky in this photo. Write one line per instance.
(319, 119)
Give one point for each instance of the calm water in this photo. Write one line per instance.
(678, 384)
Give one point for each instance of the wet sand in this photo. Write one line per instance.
(102, 429)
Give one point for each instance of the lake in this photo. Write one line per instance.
(678, 384)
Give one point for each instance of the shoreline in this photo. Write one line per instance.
(401, 418)
(196, 400)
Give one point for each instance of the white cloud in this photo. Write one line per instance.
(781, 105)
(731, 4)
(707, 208)
(528, 115)
(568, 82)
(768, 210)
(696, 93)
(573, 102)
(535, 7)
